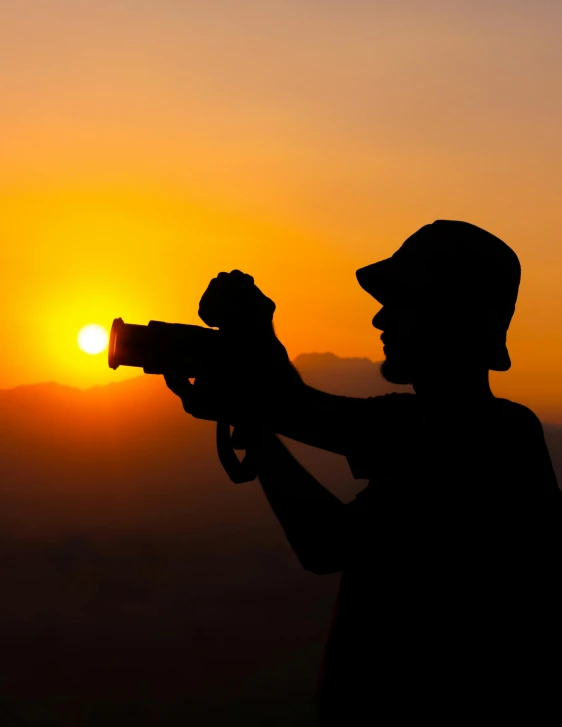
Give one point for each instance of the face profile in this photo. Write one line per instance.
(428, 338)
(448, 295)
(402, 342)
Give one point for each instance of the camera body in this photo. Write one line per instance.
(159, 345)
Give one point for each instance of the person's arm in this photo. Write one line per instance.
(313, 519)
(253, 379)
(316, 418)
(293, 409)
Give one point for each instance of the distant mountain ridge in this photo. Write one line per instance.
(345, 373)
(345, 376)
(127, 455)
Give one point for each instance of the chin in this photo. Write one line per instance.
(396, 372)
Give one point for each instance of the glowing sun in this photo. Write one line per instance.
(93, 339)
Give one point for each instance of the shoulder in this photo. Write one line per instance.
(517, 413)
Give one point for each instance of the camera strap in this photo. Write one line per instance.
(238, 470)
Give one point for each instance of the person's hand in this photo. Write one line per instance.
(254, 365)
(244, 316)
(202, 398)
(217, 396)
(234, 304)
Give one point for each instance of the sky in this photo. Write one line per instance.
(146, 146)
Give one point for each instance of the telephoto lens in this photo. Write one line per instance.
(159, 345)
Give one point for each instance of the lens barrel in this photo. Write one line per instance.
(129, 344)
(160, 345)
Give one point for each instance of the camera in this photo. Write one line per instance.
(159, 345)
(240, 317)
(232, 303)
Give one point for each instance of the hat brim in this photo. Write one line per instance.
(378, 279)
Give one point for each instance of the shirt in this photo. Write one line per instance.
(450, 552)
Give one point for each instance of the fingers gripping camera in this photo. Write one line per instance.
(233, 302)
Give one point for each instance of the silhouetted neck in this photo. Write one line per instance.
(470, 388)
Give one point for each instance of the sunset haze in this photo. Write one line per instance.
(147, 146)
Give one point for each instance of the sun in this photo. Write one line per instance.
(93, 339)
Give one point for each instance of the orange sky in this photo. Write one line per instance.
(147, 145)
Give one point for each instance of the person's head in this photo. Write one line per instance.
(448, 295)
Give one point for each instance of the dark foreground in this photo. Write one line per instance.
(208, 631)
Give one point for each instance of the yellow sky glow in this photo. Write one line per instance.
(147, 146)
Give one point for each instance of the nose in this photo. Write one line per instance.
(379, 319)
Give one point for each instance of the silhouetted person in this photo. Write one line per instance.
(448, 607)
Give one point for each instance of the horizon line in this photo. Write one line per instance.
(142, 375)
